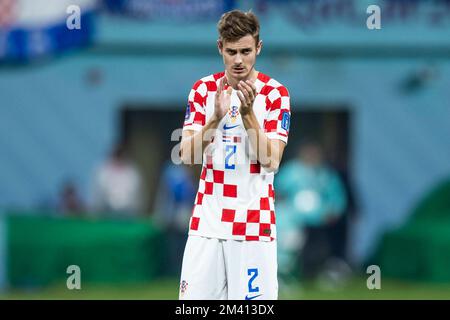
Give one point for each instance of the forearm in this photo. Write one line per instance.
(193, 146)
(265, 150)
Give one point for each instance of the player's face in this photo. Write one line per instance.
(239, 57)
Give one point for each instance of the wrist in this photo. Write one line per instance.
(248, 115)
(214, 120)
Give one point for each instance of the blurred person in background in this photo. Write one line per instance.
(118, 186)
(70, 202)
(312, 200)
(173, 208)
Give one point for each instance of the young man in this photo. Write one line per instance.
(238, 122)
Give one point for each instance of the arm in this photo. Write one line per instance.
(268, 151)
(194, 143)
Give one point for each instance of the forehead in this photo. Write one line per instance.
(245, 42)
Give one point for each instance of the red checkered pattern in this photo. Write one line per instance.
(277, 103)
(197, 101)
(194, 223)
(253, 224)
(210, 179)
(235, 198)
(7, 12)
(255, 168)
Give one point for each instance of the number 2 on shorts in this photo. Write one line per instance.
(253, 273)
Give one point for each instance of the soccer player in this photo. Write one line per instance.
(238, 122)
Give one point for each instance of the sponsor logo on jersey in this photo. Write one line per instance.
(232, 138)
(225, 127)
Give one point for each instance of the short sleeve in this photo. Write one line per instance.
(278, 119)
(195, 111)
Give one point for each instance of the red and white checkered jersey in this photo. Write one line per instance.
(235, 198)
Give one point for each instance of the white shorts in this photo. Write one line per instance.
(216, 269)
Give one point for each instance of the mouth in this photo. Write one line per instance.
(238, 69)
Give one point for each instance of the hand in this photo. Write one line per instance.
(247, 96)
(222, 100)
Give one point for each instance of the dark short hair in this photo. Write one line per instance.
(236, 24)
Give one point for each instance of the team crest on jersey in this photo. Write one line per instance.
(183, 287)
(234, 113)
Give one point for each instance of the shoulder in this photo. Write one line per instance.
(271, 87)
(208, 83)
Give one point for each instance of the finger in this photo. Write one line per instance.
(244, 90)
(245, 97)
(242, 98)
(252, 85)
(220, 88)
(222, 85)
(249, 89)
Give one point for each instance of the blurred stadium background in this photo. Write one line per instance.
(377, 100)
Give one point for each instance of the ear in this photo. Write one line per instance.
(220, 46)
(259, 47)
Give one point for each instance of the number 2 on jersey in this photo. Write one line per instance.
(230, 151)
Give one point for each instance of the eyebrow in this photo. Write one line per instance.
(242, 49)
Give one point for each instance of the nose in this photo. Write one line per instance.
(238, 59)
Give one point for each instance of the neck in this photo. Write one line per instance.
(234, 82)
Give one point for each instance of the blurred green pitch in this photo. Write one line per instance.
(167, 289)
